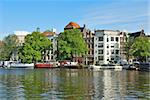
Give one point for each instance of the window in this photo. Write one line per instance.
(100, 45)
(92, 45)
(92, 52)
(117, 39)
(112, 38)
(95, 58)
(107, 52)
(107, 46)
(51, 51)
(112, 46)
(107, 39)
(100, 39)
(112, 58)
(100, 51)
(95, 45)
(100, 58)
(117, 51)
(112, 51)
(95, 51)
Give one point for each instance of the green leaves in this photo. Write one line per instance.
(10, 44)
(138, 47)
(71, 42)
(34, 45)
(141, 47)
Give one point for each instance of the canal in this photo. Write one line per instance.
(73, 84)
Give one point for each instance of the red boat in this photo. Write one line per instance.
(44, 65)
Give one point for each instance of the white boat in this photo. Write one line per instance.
(95, 67)
(111, 66)
(6, 64)
(22, 65)
(105, 66)
(71, 64)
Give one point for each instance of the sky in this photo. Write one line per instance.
(27, 15)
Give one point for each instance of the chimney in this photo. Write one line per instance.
(84, 25)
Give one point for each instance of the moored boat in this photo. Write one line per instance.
(22, 65)
(105, 66)
(46, 65)
(111, 66)
(94, 67)
(68, 64)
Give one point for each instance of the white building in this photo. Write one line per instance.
(21, 36)
(106, 46)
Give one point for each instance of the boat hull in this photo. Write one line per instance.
(42, 65)
(22, 65)
(105, 67)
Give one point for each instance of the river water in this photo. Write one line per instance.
(73, 84)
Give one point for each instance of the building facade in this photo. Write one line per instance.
(89, 39)
(21, 39)
(50, 55)
(21, 36)
(106, 46)
(123, 37)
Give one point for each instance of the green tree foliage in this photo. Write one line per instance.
(128, 47)
(34, 47)
(9, 45)
(71, 42)
(141, 48)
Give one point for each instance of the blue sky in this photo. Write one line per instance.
(27, 15)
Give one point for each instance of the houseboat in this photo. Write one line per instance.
(46, 65)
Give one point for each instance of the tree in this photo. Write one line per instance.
(35, 45)
(141, 48)
(70, 43)
(128, 47)
(8, 47)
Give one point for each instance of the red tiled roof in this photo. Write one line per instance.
(72, 25)
(48, 33)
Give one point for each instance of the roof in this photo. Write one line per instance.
(48, 33)
(72, 25)
(136, 34)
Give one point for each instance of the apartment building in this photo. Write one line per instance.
(50, 55)
(106, 46)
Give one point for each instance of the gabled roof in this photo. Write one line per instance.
(48, 33)
(136, 34)
(72, 25)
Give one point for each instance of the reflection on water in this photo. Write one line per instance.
(73, 84)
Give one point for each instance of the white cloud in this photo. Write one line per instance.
(117, 15)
